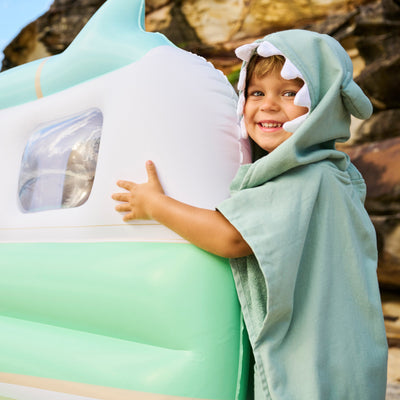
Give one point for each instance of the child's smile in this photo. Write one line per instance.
(270, 125)
(269, 104)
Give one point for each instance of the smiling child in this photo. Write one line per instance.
(302, 247)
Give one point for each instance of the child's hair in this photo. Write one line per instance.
(260, 66)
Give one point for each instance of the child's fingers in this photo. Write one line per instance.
(123, 207)
(121, 196)
(126, 185)
(151, 171)
(129, 217)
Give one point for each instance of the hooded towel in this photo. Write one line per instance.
(309, 293)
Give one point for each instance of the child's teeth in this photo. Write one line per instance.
(271, 125)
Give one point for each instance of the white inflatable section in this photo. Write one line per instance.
(182, 117)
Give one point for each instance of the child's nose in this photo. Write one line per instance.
(269, 103)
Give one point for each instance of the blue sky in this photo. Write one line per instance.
(15, 14)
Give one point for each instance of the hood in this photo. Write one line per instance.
(330, 94)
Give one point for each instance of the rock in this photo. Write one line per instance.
(27, 48)
(159, 19)
(205, 17)
(382, 177)
(281, 14)
(244, 19)
(388, 237)
(393, 391)
(377, 28)
(51, 33)
(152, 5)
(194, 24)
(383, 201)
(391, 312)
(382, 125)
(381, 80)
(178, 30)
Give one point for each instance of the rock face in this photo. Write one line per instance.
(208, 27)
(51, 33)
(375, 145)
(370, 32)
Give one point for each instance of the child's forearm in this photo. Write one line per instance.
(207, 229)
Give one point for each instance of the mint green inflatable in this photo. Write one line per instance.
(91, 307)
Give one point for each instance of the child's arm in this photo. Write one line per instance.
(207, 229)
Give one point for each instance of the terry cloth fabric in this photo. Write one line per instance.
(309, 293)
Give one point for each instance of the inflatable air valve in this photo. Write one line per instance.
(91, 306)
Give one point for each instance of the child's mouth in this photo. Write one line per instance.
(271, 125)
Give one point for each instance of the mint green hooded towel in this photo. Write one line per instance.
(309, 293)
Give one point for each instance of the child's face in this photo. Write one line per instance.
(269, 104)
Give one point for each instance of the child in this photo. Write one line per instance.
(302, 247)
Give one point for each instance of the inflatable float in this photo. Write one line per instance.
(91, 307)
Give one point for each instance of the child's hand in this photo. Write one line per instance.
(207, 229)
(137, 202)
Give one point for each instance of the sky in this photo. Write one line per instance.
(15, 14)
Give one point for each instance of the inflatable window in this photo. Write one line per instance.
(59, 163)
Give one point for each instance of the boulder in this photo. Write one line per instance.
(382, 125)
(379, 163)
(391, 312)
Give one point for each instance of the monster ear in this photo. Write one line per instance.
(246, 51)
(356, 102)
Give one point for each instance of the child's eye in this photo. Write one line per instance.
(290, 93)
(257, 93)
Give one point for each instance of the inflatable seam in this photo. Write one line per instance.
(38, 88)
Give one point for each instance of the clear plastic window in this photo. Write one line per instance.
(59, 163)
